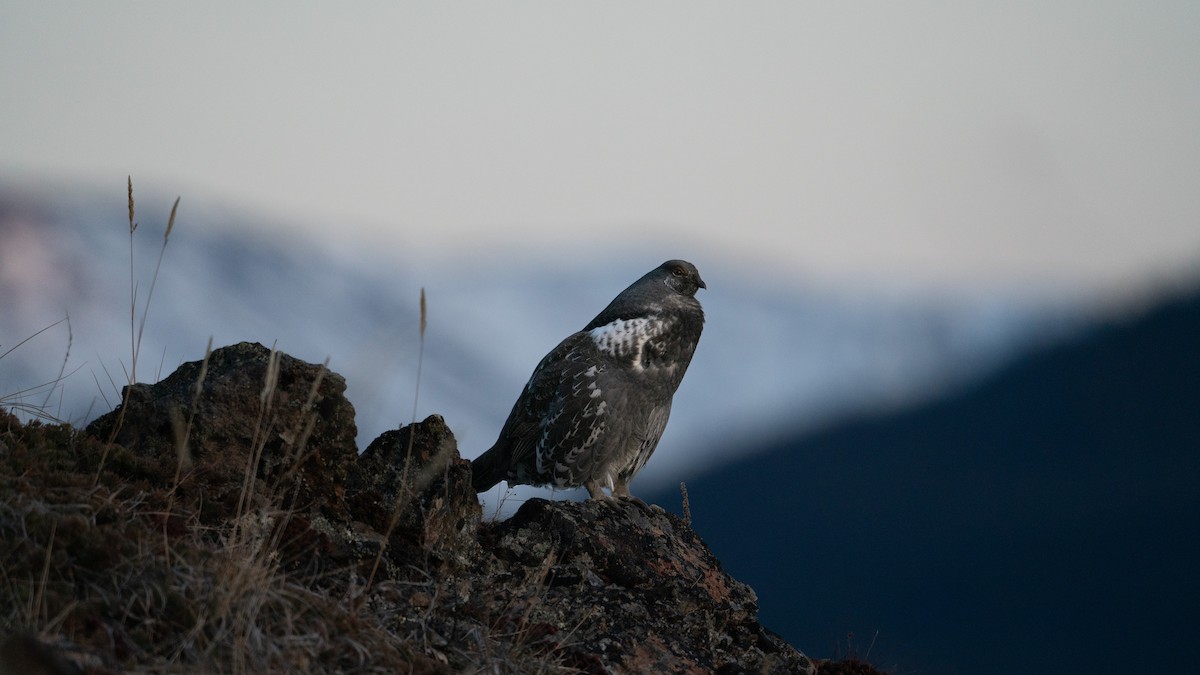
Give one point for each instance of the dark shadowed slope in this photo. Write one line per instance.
(1046, 520)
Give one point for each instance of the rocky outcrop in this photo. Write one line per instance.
(263, 541)
(243, 405)
(633, 590)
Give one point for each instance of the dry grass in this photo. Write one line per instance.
(16, 401)
(92, 571)
(106, 568)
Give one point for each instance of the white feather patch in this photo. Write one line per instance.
(626, 337)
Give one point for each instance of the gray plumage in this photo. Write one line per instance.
(595, 407)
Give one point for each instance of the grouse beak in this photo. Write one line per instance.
(700, 282)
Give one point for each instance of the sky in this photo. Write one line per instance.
(952, 145)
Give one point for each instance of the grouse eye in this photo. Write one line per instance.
(679, 271)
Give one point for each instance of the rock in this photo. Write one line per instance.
(412, 484)
(301, 435)
(635, 589)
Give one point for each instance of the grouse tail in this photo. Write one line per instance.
(487, 469)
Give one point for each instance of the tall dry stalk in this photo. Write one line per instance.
(402, 490)
(266, 398)
(183, 453)
(137, 347)
(135, 331)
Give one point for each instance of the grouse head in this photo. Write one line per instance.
(671, 286)
(681, 276)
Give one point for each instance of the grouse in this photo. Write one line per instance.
(595, 407)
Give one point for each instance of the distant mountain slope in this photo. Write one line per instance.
(1046, 520)
(242, 277)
